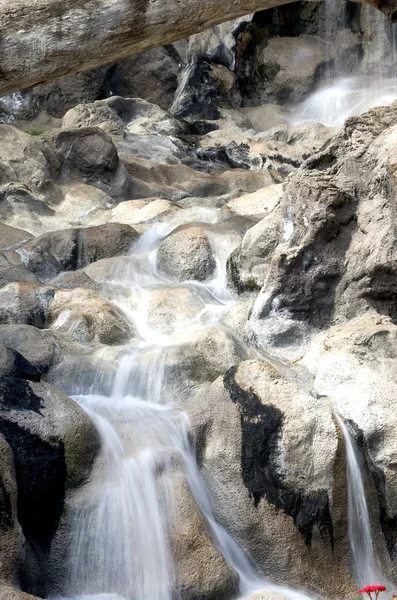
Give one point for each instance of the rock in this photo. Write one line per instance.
(74, 279)
(54, 444)
(203, 88)
(254, 431)
(40, 348)
(179, 181)
(97, 114)
(191, 544)
(79, 368)
(11, 269)
(88, 318)
(170, 309)
(71, 249)
(266, 595)
(12, 539)
(21, 208)
(354, 365)
(289, 66)
(249, 263)
(151, 75)
(132, 212)
(25, 303)
(110, 269)
(266, 116)
(258, 204)
(114, 114)
(86, 154)
(334, 259)
(90, 44)
(186, 254)
(63, 94)
(197, 356)
(22, 160)
(14, 364)
(11, 593)
(11, 236)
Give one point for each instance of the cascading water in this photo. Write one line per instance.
(121, 521)
(346, 91)
(360, 537)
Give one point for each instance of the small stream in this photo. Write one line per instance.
(120, 546)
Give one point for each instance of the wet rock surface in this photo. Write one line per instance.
(189, 252)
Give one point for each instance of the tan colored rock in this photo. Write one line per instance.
(186, 254)
(88, 318)
(142, 212)
(8, 592)
(259, 203)
(200, 569)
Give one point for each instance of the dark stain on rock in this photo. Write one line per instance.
(6, 520)
(261, 428)
(41, 474)
(16, 394)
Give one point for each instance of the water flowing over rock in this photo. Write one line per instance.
(197, 303)
(84, 43)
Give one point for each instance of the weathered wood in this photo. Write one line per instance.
(42, 40)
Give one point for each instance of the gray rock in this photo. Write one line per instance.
(12, 540)
(11, 236)
(70, 249)
(151, 75)
(14, 364)
(12, 269)
(40, 348)
(334, 259)
(88, 318)
(25, 303)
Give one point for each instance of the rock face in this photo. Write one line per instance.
(335, 256)
(253, 443)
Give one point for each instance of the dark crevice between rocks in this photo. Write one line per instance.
(261, 429)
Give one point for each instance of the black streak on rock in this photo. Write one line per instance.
(40, 465)
(261, 427)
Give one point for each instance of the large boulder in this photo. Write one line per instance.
(187, 254)
(11, 236)
(11, 539)
(14, 364)
(200, 568)
(25, 303)
(151, 75)
(256, 433)
(12, 269)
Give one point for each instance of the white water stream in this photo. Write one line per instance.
(364, 565)
(372, 83)
(122, 529)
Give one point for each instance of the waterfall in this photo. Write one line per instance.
(351, 90)
(360, 537)
(122, 518)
